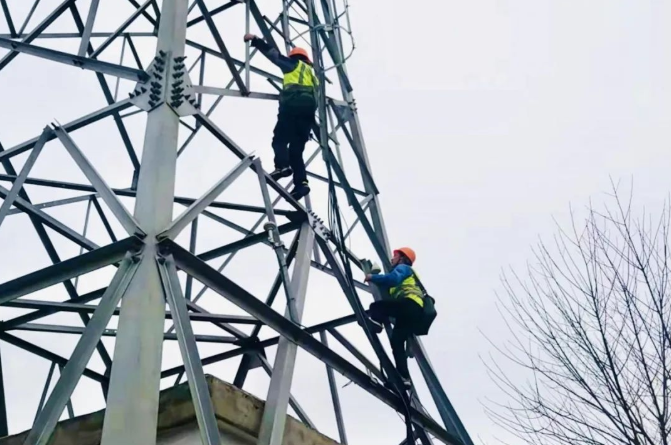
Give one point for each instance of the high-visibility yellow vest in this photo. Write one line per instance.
(303, 77)
(408, 289)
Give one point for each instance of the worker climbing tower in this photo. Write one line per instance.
(143, 243)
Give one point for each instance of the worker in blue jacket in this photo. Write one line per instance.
(298, 103)
(405, 306)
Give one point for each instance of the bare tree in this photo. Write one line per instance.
(590, 321)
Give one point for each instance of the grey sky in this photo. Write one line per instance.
(483, 121)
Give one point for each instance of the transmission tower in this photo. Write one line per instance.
(131, 289)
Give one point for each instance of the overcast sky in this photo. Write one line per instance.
(483, 120)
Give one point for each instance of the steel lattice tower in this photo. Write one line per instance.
(147, 265)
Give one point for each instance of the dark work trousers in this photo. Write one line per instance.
(292, 132)
(407, 314)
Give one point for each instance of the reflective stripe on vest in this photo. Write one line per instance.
(408, 289)
(301, 76)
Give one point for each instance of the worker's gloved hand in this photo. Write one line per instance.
(367, 278)
(249, 37)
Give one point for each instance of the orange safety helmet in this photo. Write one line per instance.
(408, 253)
(299, 52)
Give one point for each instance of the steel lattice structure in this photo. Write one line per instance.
(153, 259)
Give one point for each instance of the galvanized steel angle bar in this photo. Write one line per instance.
(213, 12)
(50, 221)
(447, 412)
(38, 30)
(259, 19)
(67, 269)
(71, 126)
(48, 355)
(105, 192)
(88, 29)
(221, 45)
(209, 432)
(45, 390)
(134, 52)
(56, 203)
(274, 289)
(192, 248)
(78, 35)
(237, 62)
(132, 193)
(3, 407)
(45, 311)
(373, 236)
(43, 428)
(240, 153)
(108, 96)
(335, 397)
(103, 218)
(365, 171)
(74, 60)
(276, 242)
(300, 412)
(254, 345)
(120, 29)
(8, 17)
(145, 14)
(18, 183)
(245, 242)
(274, 415)
(356, 353)
(204, 201)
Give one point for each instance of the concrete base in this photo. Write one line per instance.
(238, 415)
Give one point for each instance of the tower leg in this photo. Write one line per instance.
(132, 404)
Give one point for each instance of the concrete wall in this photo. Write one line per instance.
(190, 435)
(238, 416)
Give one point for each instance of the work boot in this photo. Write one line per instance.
(407, 384)
(375, 326)
(280, 173)
(300, 191)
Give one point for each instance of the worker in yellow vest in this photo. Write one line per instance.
(298, 103)
(405, 306)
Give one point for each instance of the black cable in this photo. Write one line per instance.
(335, 223)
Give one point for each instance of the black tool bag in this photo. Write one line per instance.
(429, 312)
